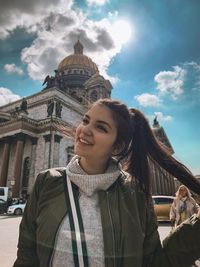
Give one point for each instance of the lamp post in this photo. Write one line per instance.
(50, 144)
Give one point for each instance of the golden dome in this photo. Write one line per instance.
(78, 60)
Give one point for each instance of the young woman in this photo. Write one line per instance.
(93, 213)
(183, 207)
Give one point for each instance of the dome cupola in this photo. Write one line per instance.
(78, 76)
(78, 62)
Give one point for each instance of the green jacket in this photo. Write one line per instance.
(128, 221)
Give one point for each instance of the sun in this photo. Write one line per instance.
(121, 31)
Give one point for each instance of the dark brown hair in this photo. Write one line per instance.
(139, 147)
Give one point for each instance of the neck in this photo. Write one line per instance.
(92, 166)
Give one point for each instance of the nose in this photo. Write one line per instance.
(87, 129)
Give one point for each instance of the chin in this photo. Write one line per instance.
(79, 152)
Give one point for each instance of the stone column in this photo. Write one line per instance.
(33, 159)
(18, 164)
(5, 162)
(56, 150)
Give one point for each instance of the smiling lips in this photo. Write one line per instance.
(83, 141)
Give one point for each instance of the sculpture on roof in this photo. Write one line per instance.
(50, 81)
(155, 122)
(18, 110)
(23, 106)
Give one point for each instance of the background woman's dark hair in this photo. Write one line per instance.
(139, 146)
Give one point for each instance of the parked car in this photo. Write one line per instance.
(162, 205)
(16, 209)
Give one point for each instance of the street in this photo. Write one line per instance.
(9, 226)
(8, 239)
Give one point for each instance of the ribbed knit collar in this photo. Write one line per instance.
(91, 183)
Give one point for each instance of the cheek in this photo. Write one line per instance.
(77, 131)
(109, 142)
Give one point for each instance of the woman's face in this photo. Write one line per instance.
(183, 191)
(96, 135)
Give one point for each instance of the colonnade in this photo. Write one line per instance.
(50, 158)
(17, 163)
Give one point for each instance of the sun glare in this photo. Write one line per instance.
(122, 31)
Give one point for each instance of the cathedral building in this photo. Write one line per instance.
(163, 183)
(37, 132)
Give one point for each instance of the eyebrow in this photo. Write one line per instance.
(100, 121)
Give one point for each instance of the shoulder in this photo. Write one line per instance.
(126, 180)
(53, 172)
(131, 185)
(50, 175)
(193, 201)
(129, 181)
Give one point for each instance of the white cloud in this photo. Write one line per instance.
(27, 14)
(171, 82)
(57, 26)
(56, 36)
(161, 117)
(148, 100)
(96, 2)
(12, 68)
(7, 96)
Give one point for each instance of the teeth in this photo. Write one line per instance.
(83, 141)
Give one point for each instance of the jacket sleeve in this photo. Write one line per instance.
(180, 249)
(196, 206)
(27, 254)
(182, 246)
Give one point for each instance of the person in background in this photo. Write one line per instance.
(183, 206)
(95, 212)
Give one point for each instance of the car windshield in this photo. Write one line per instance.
(162, 200)
(18, 202)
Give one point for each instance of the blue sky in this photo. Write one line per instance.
(148, 49)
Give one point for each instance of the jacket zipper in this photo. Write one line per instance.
(51, 254)
(112, 228)
(55, 238)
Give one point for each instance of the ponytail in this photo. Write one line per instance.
(144, 147)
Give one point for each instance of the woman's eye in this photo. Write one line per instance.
(102, 128)
(85, 121)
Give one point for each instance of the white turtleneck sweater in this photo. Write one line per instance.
(88, 185)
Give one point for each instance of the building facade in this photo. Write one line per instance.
(36, 132)
(163, 183)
